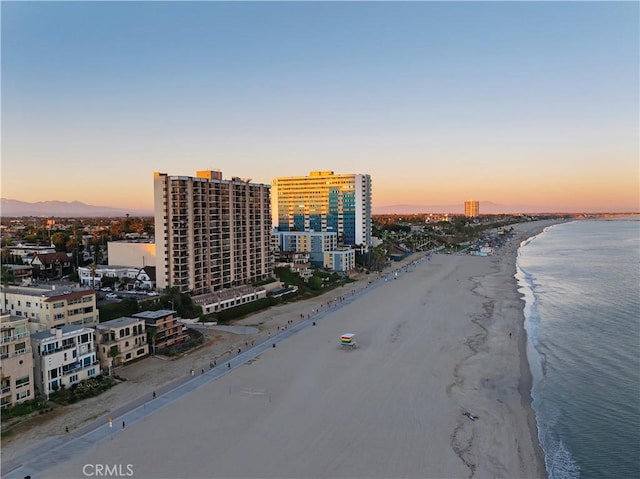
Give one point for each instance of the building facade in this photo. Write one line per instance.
(314, 243)
(342, 260)
(471, 209)
(210, 233)
(324, 201)
(50, 307)
(141, 278)
(138, 254)
(120, 341)
(63, 356)
(163, 328)
(16, 362)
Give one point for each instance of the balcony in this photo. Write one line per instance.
(10, 339)
(79, 368)
(57, 350)
(19, 352)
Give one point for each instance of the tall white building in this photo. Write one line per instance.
(324, 201)
(63, 356)
(210, 233)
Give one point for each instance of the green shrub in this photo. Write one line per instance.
(25, 408)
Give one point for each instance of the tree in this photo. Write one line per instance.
(152, 334)
(315, 282)
(92, 269)
(114, 353)
(59, 240)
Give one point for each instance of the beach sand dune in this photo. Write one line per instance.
(443, 339)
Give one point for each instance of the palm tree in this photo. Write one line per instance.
(153, 334)
(114, 353)
(92, 269)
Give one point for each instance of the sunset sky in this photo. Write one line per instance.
(515, 103)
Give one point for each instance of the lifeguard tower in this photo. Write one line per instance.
(347, 341)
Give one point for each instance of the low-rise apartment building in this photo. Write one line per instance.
(50, 307)
(120, 341)
(340, 260)
(16, 362)
(63, 356)
(162, 327)
(316, 243)
(228, 298)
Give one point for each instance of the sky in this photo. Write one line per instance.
(517, 103)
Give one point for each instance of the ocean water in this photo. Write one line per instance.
(581, 285)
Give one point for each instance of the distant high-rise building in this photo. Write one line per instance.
(326, 202)
(210, 233)
(472, 208)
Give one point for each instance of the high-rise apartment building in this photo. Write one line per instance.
(210, 233)
(471, 209)
(324, 201)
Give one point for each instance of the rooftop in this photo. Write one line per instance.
(154, 314)
(118, 323)
(67, 330)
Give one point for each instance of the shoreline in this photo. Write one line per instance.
(525, 386)
(492, 313)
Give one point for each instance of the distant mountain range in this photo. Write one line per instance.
(66, 209)
(63, 209)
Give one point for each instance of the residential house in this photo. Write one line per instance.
(62, 357)
(120, 341)
(51, 265)
(16, 365)
(163, 328)
(140, 278)
(47, 307)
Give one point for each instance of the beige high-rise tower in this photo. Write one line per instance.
(472, 208)
(210, 233)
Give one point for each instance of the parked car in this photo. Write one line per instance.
(107, 289)
(153, 293)
(112, 296)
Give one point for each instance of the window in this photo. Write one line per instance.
(23, 394)
(59, 304)
(22, 381)
(73, 378)
(91, 372)
(140, 352)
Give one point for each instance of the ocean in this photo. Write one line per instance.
(581, 285)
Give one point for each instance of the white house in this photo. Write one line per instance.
(62, 357)
(143, 278)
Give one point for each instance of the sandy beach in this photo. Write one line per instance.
(443, 339)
